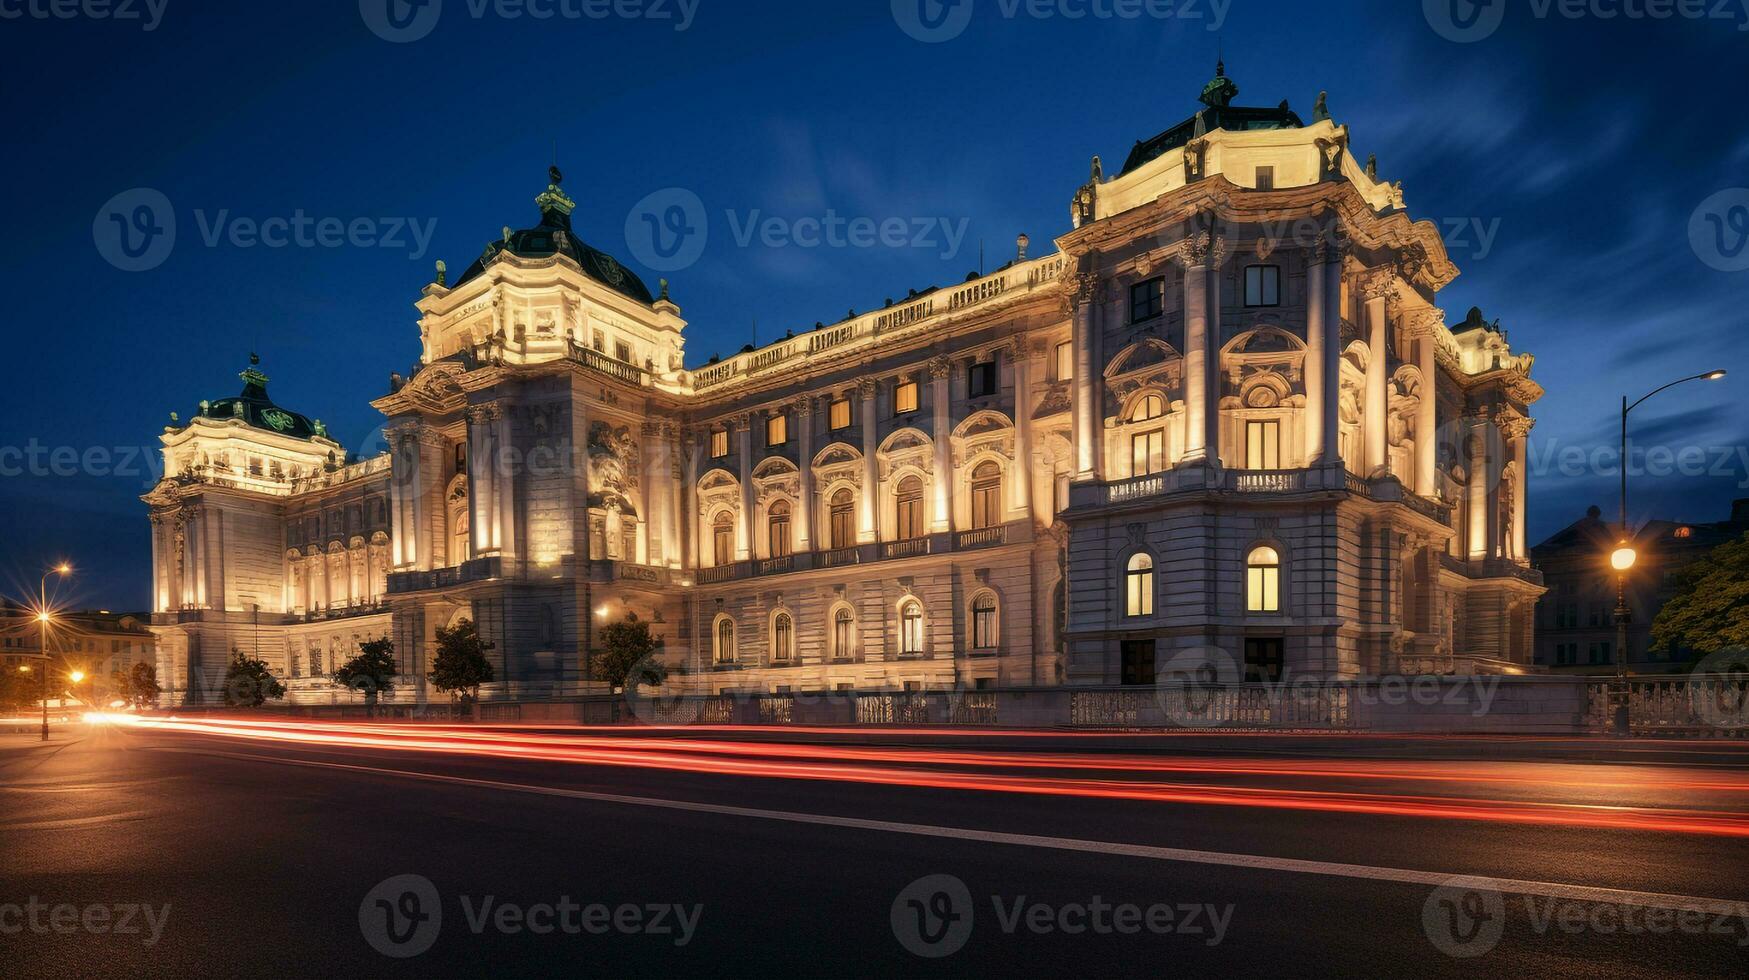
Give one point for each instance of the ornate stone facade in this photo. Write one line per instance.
(1226, 413)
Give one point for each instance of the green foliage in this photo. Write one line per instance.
(372, 671)
(1710, 610)
(460, 665)
(626, 651)
(143, 687)
(248, 682)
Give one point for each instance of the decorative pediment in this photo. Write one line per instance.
(837, 454)
(904, 441)
(773, 466)
(1143, 355)
(984, 423)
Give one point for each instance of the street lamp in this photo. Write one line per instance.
(1624, 557)
(43, 618)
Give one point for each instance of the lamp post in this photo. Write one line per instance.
(1625, 557)
(43, 617)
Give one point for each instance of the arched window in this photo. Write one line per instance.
(723, 538)
(843, 629)
(777, 526)
(783, 639)
(1149, 408)
(911, 629)
(1263, 580)
(986, 495)
(910, 509)
(725, 651)
(843, 519)
(984, 633)
(1139, 586)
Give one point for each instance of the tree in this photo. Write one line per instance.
(1710, 610)
(626, 652)
(460, 666)
(143, 684)
(372, 671)
(248, 682)
(18, 688)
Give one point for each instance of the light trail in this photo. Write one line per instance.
(828, 763)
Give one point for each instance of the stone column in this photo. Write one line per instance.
(479, 481)
(675, 550)
(695, 448)
(867, 530)
(941, 380)
(1518, 429)
(802, 530)
(504, 468)
(1377, 287)
(1198, 352)
(158, 584)
(1480, 488)
(1021, 478)
(652, 509)
(1332, 353)
(744, 448)
(1427, 412)
(1086, 384)
(1321, 334)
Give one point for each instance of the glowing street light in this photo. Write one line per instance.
(1623, 558)
(76, 676)
(43, 617)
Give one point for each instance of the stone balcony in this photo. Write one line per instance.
(953, 542)
(475, 570)
(1193, 481)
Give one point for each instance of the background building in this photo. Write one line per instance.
(98, 643)
(1226, 413)
(1576, 630)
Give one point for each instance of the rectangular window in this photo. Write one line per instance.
(1266, 178)
(905, 398)
(777, 430)
(981, 379)
(839, 414)
(1263, 285)
(719, 443)
(1147, 299)
(598, 340)
(1263, 445)
(1263, 660)
(1138, 662)
(1065, 361)
(910, 514)
(1148, 452)
(622, 351)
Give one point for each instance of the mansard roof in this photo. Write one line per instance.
(256, 409)
(1217, 113)
(554, 235)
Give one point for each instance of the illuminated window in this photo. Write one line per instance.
(1139, 586)
(1148, 452)
(723, 538)
(1147, 299)
(839, 414)
(986, 496)
(725, 650)
(911, 629)
(1263, 581)
(842, 519)
(910, 508)
(1685, 532)
(1266, 178)
(777, 430)
(1263, 285)
(905, 398)
(1065, 361)
(984, 622)
(1263, 445)
(719, 443)
(1150, 407)
(622, 352)
(777, 527)
(783, 640)
(843, 623)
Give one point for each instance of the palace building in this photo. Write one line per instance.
(1226, 413)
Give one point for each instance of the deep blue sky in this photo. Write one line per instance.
(1582, 147)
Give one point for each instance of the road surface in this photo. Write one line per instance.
(211, 848)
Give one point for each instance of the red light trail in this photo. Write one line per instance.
(938, 769)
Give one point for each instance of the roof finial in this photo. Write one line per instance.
(254, 359)
(664, 283)
(1219, 92)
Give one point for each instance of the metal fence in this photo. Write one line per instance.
(1703, 704)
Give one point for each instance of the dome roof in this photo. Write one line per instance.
(552, 236)
(256, 409)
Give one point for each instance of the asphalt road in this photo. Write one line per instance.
(285, 851)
